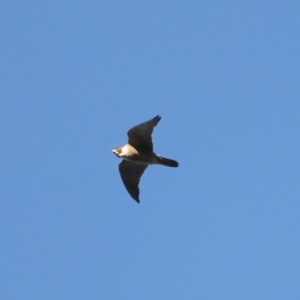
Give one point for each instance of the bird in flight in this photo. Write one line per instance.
(137, 154)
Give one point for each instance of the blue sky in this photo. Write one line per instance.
(224, 76)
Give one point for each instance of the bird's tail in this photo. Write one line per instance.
(167, 162)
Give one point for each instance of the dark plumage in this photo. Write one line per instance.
(137, 154)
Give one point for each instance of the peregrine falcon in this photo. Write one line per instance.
(137, 154)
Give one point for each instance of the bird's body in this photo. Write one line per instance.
(137, 154)
(144, 157)
(134, 155)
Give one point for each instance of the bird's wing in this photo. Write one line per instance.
(140, 136)
(131, 174)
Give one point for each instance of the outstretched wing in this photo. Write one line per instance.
(131, 174)
(140, 136)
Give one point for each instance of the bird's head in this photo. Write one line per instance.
(117, 151)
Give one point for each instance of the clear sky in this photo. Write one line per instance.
(224, 76)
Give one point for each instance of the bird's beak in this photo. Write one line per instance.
(115, 152)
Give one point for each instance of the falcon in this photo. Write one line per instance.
(137, 154)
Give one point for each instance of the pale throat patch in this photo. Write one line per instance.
(124, 151)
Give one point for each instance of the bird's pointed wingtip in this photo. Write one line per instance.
(157, 118)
